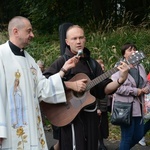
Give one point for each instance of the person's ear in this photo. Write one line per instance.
(15, 31)
(67, 42)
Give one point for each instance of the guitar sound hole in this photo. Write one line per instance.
(78, 94)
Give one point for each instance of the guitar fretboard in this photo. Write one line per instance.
(100, 78)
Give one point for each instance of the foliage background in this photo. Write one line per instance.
(47, 15)
(104, 45)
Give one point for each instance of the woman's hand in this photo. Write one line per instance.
(145, 90)
(139, 92)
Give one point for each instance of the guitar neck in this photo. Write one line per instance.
(133, 59)
(100, 78)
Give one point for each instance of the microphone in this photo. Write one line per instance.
(80, 52)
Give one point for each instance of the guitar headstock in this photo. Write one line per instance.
(135, 58)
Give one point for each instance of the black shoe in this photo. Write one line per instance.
(103, 147)
(52, 148)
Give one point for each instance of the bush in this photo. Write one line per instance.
(102, 45)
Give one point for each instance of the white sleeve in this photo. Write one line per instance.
(52, 89)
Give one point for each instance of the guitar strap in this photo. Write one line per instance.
(92, 66)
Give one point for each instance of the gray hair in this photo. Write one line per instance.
(17, 21)
(73, 26)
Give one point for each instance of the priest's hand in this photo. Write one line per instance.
(70, 63)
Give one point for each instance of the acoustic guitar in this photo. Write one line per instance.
(63, 113)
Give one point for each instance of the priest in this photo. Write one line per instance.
(22, 88)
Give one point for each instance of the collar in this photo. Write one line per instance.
(86, 53)
(16, 50)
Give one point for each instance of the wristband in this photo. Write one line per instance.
(63, 70)
(119, 82)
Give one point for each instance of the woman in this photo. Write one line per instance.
(132, 90)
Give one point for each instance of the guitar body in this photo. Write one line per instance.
(63, 113)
